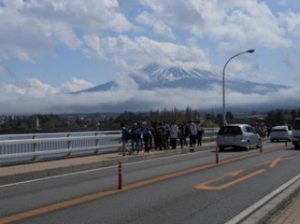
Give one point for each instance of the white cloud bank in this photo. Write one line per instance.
(33, 96)
(75, 85)
(33, 88)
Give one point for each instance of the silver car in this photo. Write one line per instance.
(238, 136)
(279, 133)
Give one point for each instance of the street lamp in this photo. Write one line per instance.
(250, 51)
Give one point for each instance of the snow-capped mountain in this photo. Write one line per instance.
(154, 76)
(169, 74)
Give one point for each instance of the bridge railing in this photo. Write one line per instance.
(40, 146)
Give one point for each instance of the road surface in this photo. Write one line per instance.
(185, 188)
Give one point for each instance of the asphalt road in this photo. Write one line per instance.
(186, 188)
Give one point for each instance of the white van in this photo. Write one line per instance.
(279, 133)
(238, 136)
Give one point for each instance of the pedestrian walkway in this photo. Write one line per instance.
(289, 213)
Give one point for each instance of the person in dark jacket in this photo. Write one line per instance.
(125, 136)
(136, 138)
(160, 135)
(183, 134)
(200, 132)
(146, 134)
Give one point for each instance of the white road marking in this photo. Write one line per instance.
(250, 210)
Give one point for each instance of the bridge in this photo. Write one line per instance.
(171, 186)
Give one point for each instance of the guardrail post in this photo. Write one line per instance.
(69, 145)
(34, 145)
(97, 143)
(120, 179)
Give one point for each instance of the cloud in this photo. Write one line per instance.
(44, 24)
(292, 62)
(32, 87)
(101, 29)
(158, 26)
(291, 22)
(33, 96)
(34, 39)
(87, 25)
(143, 50)
(89, 16)
(75, 85)
(188, 34)
(234, 22)
(4, 71)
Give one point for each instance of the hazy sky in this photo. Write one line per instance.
(51, 47)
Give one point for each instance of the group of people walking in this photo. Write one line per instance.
(161, 135)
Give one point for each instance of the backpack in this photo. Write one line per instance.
(146, 132)
(127, 135)
(136, 133)
(193, 129)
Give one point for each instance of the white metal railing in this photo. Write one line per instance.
(61, 134)
(14, 148)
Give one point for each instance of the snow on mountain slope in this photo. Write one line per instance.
(158, 76)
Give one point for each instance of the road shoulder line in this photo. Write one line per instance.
(261, 210)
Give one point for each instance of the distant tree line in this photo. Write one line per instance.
(208, 120)
(281, 117)
(112, 121)
(48, 123)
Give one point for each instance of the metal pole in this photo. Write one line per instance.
(120, 182)
(223, 83)
(217, 155)
(260, 148)
(224, 115)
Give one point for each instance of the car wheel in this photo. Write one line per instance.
(247, 148)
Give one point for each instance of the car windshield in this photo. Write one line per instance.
(277, 129)
(230, 130)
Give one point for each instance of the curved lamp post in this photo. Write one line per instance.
(244, 52)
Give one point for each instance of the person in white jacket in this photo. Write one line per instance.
(192, 134)
(174, 131)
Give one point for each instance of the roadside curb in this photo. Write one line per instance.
(262, 210)
(18, 177)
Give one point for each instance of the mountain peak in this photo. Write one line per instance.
(156, 72)
(158, 76)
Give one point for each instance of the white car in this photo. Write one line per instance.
(279, 133)
(238, 136)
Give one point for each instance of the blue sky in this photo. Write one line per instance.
(51, 47)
